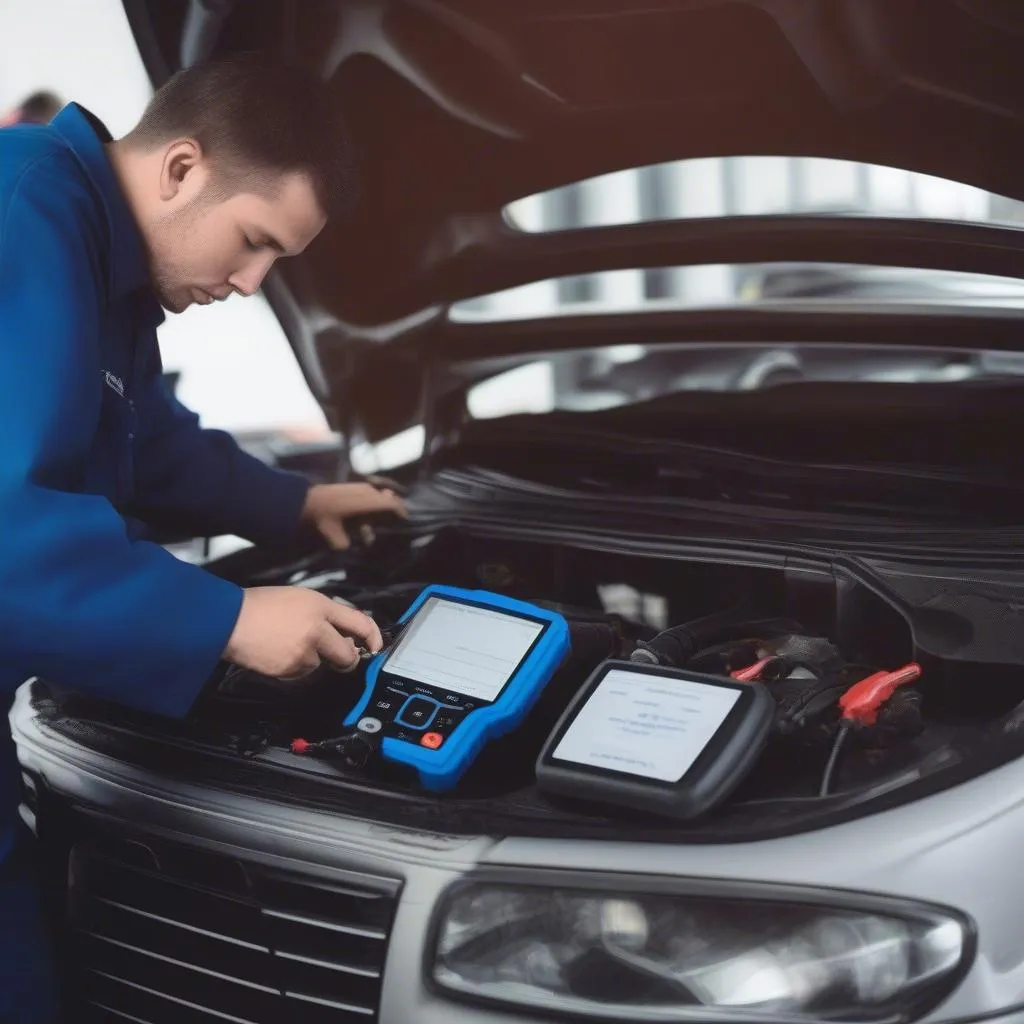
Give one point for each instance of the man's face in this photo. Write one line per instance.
(206, 246)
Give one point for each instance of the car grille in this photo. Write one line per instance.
(162, 932)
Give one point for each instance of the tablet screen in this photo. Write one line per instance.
(463, 648)
(646, 725)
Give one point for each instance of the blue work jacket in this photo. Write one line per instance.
(92, 445)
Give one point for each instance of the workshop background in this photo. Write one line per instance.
(83, 50)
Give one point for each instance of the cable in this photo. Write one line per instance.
(833, 758)
(354, 749)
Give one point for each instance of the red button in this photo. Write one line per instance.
(432, 740)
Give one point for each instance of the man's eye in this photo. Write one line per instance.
(250, 244)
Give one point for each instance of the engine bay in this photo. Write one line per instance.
(805, 630)
(806, 633)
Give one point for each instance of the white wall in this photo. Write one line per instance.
(237, 369)
(80, 49)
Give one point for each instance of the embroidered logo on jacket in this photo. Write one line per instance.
(114, 382)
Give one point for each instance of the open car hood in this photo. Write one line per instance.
(458, 107)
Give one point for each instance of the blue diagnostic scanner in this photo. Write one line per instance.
(467, 668)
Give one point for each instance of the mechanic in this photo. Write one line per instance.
(232, 166)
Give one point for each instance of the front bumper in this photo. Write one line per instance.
(958, 848)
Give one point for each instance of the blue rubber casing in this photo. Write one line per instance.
(441, 769)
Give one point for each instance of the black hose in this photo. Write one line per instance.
(675, 647)
(594, 642)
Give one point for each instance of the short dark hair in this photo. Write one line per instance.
(253, 116)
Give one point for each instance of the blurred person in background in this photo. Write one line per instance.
(38, 108)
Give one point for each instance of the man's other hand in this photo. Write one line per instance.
(329, 505)
(285, 632)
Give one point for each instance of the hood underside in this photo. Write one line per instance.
(458, 107)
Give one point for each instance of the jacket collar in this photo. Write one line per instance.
(86, 135)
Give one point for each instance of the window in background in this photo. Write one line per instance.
(756, 186)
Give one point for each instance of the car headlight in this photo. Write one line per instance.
(680, 956)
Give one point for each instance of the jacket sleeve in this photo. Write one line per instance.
(200, 480)
(80, 605)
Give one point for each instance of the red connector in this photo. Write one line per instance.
(861, 701)
(300, 746)
(752, 672)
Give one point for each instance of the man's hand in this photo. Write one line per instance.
(285, 632)
(328, 505)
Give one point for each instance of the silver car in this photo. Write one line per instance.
(683, 433)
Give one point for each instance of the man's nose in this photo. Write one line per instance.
(247, 281)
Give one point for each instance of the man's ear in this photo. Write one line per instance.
(182, 169)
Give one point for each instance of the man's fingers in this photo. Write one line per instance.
(337, 649)
(355, 623)
(385, 483)
(382, 501)
(334, 533)
(395, 504)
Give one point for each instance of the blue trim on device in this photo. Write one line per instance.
(441, 769)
